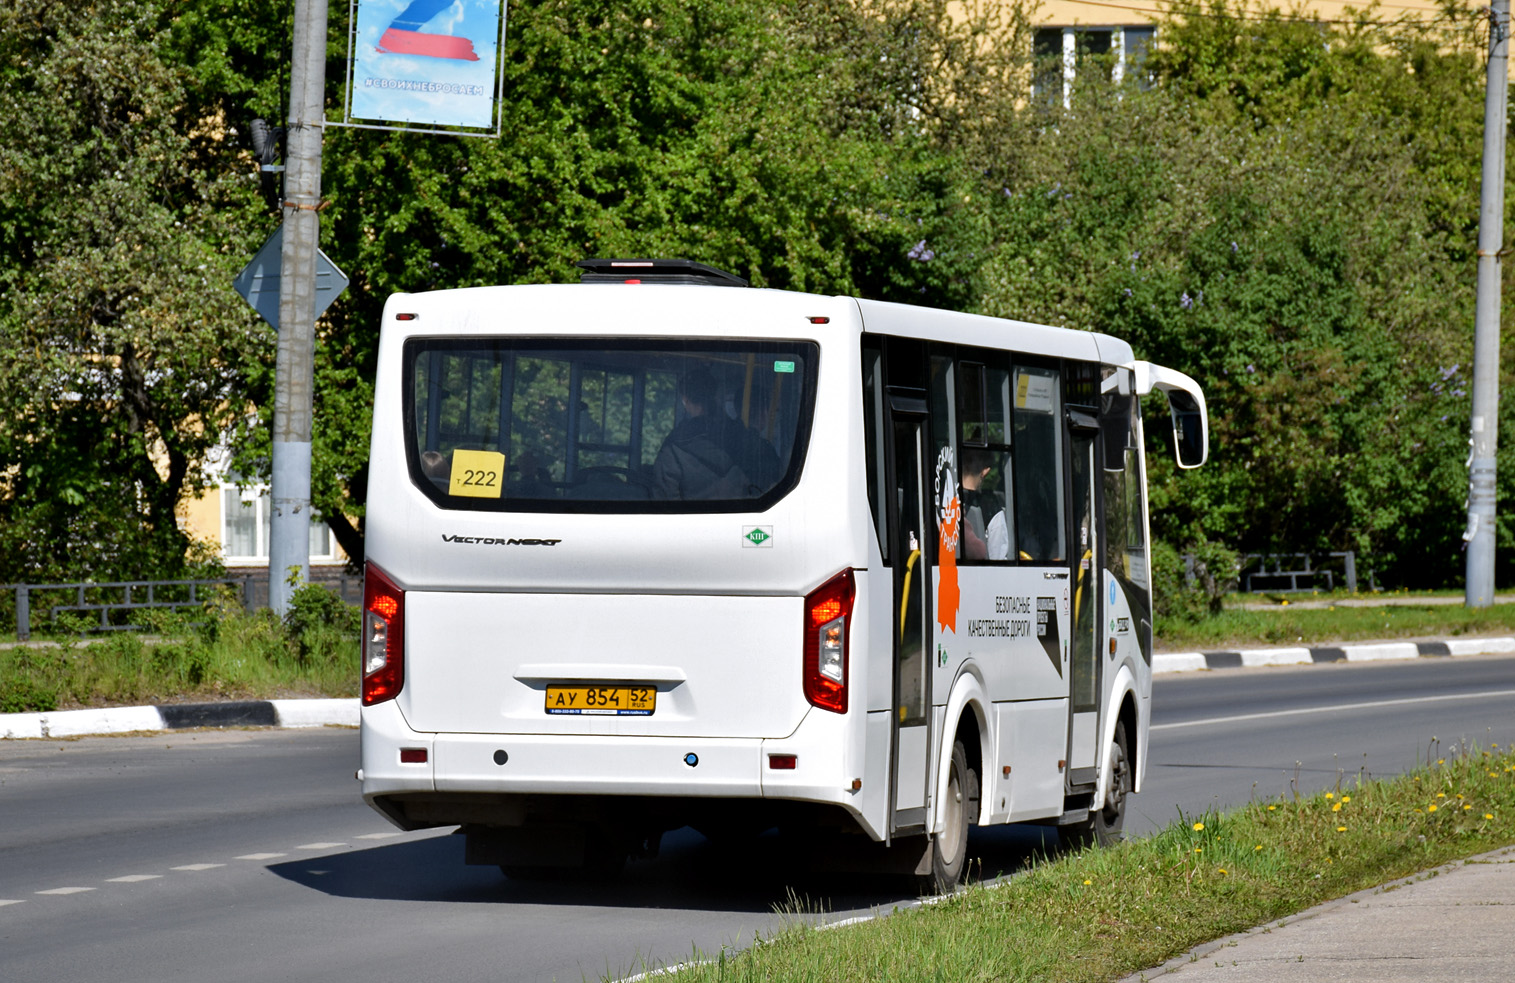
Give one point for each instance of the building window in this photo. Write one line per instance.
(246, 518)
(1062, 52)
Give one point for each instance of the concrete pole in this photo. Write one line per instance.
(289, 541)
(1485, 441)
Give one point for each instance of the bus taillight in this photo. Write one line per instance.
(827, 610)
(383, 637)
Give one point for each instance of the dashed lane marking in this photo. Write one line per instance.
(5, 901)
(66, 890)
(319, 846)
(377, 836)
(260, 856)
(132, 878)
(198, 867)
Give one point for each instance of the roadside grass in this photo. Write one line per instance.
(1104, 914)
(225, 653)
(1292, 625)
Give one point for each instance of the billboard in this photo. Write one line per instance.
(428, 62)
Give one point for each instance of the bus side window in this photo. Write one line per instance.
(984, 449)
(1039, 507)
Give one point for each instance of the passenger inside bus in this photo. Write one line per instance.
(985, 534)
(709, 455)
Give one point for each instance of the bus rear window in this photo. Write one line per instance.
(607, 425)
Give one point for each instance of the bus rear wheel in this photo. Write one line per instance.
(949, 849)
(1105, 824)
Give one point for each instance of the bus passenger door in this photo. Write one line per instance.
(911, 731)
(1084, 681)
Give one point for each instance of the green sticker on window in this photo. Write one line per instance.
(787, 367)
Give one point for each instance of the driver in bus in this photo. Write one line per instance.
(709, 455)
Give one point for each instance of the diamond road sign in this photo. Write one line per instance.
(258, 283)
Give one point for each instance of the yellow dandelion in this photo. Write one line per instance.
(1488, 815)
(1199, 849)
(1346, 798)
(1259, 846)
(1459, 795)
(1466, 807)
(1336, 807)
(1330, 795)
(1223, 872)
(1431, 807)
(1341, 829)
(1441, 761)
(1198, 827)
(1087, 883)
(1441, 795)
(1271, 808)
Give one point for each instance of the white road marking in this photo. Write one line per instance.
(319, 846)
(1339, 708)
(376, 836)
(66, 890)
(4, 902)
(260, 856)
(199, 866)
(132, 878)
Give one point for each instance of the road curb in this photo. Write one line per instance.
(1171, 662)
(344, 713)
(180, 716)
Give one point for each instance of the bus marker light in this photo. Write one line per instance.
(691, 759)
(782, 762)
(406, 317)
(820, 320)
(412, 756)
(857, 785)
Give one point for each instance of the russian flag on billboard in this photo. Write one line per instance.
(426, 61)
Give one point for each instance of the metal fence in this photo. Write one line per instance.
(1291, 573)
(119, 605)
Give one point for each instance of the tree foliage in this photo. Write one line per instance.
(126, 354)
(1284, 209)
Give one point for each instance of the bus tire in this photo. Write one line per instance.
(1105, 824)
(949, 849)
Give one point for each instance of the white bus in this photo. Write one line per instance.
(659, 549)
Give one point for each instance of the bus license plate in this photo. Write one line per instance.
(621, 701)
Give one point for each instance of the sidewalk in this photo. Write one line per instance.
(1448, 924)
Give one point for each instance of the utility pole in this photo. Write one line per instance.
(1485, 440)
(289, 540)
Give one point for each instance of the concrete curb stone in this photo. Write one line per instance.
(344, 713)
(180, 716)
(1169, 662)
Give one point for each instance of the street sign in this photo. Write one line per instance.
(258, 283)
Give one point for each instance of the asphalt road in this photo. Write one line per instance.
(248, 855)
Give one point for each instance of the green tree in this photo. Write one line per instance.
(1274, 215)
(126, 351)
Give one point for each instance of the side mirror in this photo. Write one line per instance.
(1190, 440)
(1191, 421)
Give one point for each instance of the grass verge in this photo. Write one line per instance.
(1290, 625)
(1105, 914)
(225, 654)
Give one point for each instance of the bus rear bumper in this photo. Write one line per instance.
(461, 771)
